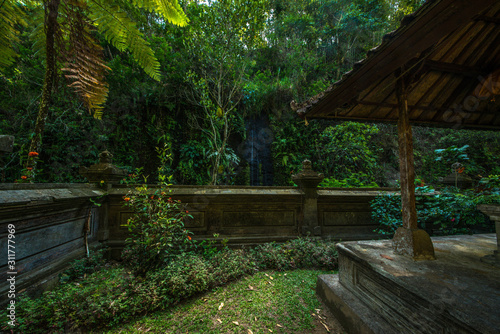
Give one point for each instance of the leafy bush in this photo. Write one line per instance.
(85, 266)
(295, 254)
(157, 233)
(490, 185)
(355, 180)
(444, 212)
(347, 149)
(114, 295)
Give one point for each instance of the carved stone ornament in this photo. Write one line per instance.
(308, 179)
(103, 171)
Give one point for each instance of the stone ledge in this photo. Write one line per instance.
(39, 196)
(456, 293)
(353, 314)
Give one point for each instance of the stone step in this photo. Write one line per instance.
(377, 291)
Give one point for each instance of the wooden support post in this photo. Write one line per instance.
(408, 240)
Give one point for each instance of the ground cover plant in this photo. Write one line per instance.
(267, 302)
(115, 294)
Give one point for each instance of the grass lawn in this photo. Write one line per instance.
(267, 302)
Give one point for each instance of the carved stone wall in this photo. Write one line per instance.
(251, 215)
(48, 220)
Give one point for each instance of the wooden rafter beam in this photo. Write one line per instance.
(416, 107)
(468, 71)
(488, 19)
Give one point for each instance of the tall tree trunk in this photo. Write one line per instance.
(52, 11)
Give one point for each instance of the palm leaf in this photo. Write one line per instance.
(122, 33)
(170, 10)
(11, 14)
(84, 67)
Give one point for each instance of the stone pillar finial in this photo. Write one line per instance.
(104, 171)
(105, 157)
(308, 181)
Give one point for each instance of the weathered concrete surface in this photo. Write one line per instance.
(415, 243)
(354, 315)
(456, 293)
(49, 221)
(493, 211)
(6, 143)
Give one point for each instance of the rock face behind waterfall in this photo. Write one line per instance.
(256, 150)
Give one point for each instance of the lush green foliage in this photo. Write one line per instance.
(233, 61)
(157, 233)
(355, 180)
(114, 295)
(348, 149)
(297, 253)
(445, 212)
(82, 267)
(242, 61)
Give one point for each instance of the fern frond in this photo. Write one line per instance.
(122, 33)
(11, 14)
(37, 35)
(85, 68)
(170, 10)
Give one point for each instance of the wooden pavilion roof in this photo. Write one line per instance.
(450, 50)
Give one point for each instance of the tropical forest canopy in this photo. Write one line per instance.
(213, 86)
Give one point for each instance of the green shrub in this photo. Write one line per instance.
(445, 212)
(348, 149)
(228, 265)
(355, 180)
(85, 266)
(295, 254)
(157, 233)
(114, 295)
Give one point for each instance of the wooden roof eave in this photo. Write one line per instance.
(418, 33)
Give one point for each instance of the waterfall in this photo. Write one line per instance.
(256, 150)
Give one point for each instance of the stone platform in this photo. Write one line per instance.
(377, 291)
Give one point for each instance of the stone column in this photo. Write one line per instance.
(104, 174)
(493, 211)
(308, 181)
(104, 171)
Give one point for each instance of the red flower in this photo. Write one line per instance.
(24, 177)
(33, 154)
(152, 197)
(452, 219)
(126, 199)
(29, 168)
(187, 211)
(189, 237)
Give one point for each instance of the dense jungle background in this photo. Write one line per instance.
(222, 102)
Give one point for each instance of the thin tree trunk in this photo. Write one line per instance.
(52, 8)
